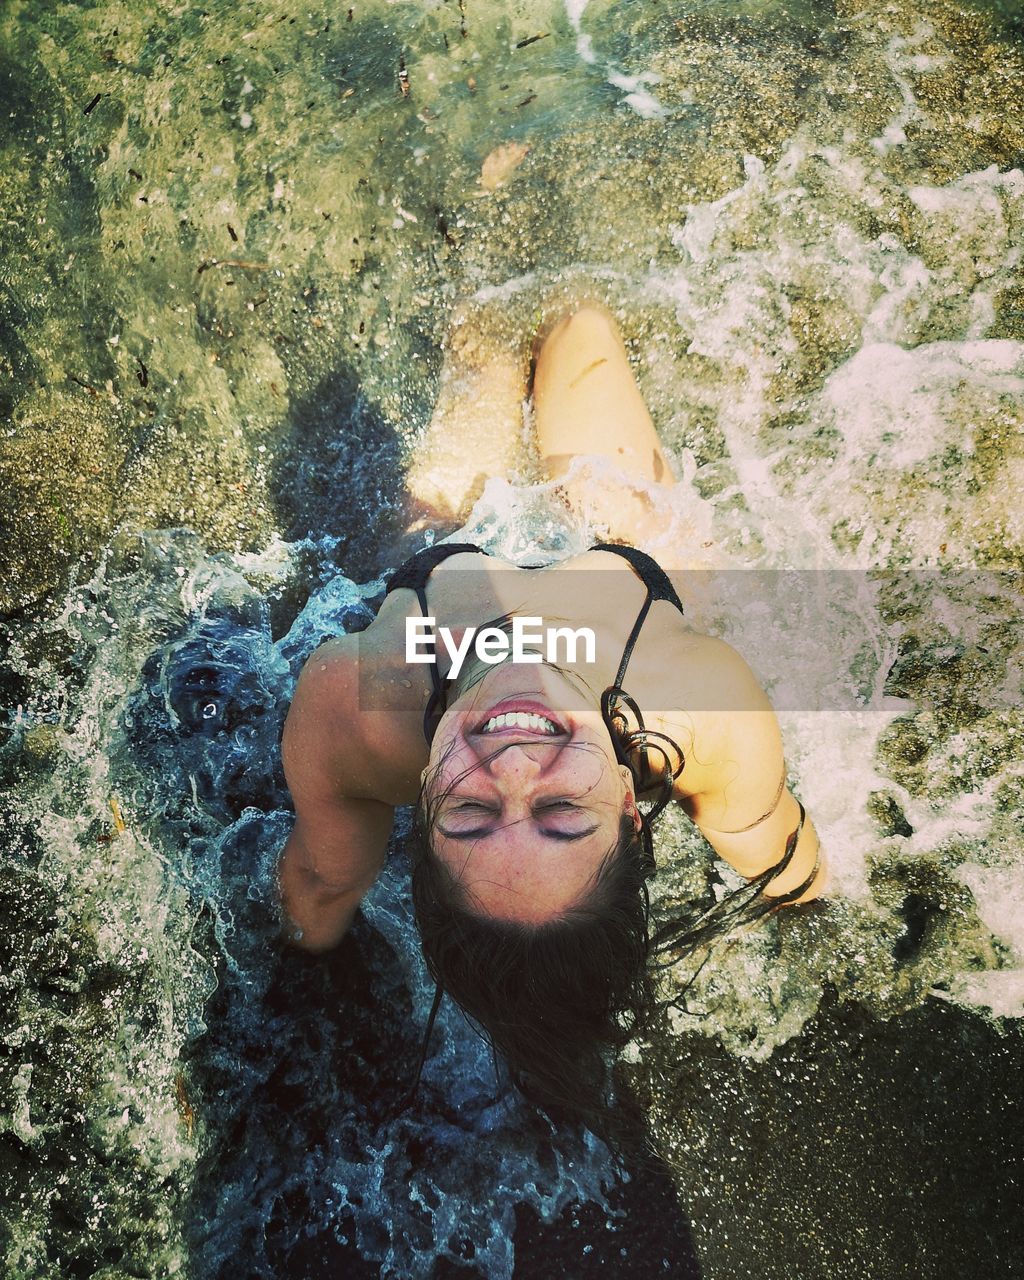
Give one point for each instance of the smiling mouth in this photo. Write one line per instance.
(518, 716)
(521, 720)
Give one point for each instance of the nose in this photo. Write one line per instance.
(517, 761)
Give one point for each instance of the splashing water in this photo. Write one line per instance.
(301, 1072)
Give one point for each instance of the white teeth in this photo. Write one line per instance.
(520, 720)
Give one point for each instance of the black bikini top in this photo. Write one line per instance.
(415, 572)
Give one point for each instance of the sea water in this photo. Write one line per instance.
(809, 220)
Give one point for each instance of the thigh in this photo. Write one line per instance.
(475, 432)
(586, 401)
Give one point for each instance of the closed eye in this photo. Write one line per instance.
(553, 807)
(481, 833)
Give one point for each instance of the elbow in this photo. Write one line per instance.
(814, 887)
(319, 927)
(311, 944)
(316, 916)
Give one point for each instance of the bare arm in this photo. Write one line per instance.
(337, 846)
(752, 852)
(736, 793)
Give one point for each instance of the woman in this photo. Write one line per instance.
(530, 846)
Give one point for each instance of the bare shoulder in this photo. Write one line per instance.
(327, 686)
(733, 730)
(709, 680)
(719, 677)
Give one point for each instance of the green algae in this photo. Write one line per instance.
(85, 1185)
(286, 146)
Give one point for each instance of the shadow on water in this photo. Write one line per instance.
(351, 1016)
(340, 475)
(310, 1161)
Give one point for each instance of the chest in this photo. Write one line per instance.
(566, 607)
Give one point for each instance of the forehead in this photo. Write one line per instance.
(509, 877)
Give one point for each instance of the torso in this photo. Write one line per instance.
(664, 675)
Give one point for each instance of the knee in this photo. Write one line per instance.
(589, 323)
(586, 330)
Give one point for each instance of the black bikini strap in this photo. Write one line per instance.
(658, 585)
(434, 709)
(647, 569)
(414, 574)
(415, 571)
(634, 635)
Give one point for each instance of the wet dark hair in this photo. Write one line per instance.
(556, 1000)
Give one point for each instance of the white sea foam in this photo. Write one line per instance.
(636, 95)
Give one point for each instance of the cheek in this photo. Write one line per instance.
(448, 762)
(593, 775)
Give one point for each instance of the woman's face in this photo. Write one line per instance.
(525, 792)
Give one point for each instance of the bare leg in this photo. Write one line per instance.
(476, 430)
(587, 402)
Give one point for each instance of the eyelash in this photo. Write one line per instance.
(474, 806)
